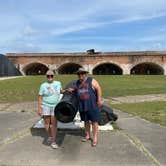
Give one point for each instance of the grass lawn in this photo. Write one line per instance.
(26, 88)
(152, 111)
(113, 86)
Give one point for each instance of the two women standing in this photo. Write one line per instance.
(88, 92)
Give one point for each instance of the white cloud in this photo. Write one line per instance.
(28, 31)
(139, 18)
(76, 28)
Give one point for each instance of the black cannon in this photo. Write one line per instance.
(106, 115)
(67, 108)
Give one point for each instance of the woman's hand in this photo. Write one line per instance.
(70, 90)
(40, 113)
(99, 103)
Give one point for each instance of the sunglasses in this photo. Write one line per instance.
(50, 76)
(81, 73)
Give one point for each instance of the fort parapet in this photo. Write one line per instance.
(117, 63)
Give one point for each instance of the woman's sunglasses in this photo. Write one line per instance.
(50, 76)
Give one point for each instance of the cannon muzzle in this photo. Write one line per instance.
(67, 108)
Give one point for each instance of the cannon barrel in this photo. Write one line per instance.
(67, 108)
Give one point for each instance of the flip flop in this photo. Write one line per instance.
(85, 139)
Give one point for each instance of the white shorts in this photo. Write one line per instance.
(48, 111)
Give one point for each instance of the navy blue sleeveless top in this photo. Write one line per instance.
(86, 95)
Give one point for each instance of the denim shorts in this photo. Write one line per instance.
(48, 111)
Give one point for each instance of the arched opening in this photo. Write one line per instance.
(35, 69)
(68, 68)
(147, 69)
(107, 69)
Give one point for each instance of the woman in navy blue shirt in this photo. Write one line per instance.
(89, 96)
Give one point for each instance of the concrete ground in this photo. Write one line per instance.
(138, 98)
(138, 142)
(9, 77)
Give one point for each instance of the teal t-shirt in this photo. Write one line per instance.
(50, 93)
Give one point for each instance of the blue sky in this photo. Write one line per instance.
(79, 25)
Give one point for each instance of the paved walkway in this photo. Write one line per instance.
(138, 98)
(150, 138)
(10, 77)
(139, 142)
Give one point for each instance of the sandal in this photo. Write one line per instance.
(94, 144)
(85, 139)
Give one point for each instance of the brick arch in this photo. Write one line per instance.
(35, 68)
(116, 68)
(68, 68)
(147, 68)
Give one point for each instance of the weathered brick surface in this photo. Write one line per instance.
(125, 60)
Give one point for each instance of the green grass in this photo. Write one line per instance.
(152, 111)
(113, 86)
(26, 88)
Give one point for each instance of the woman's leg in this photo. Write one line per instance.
(54, 128)
(47, 121)
(87, 129)
(95, 132)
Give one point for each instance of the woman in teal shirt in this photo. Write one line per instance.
(49, 97)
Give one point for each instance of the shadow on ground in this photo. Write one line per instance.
(61, 134)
